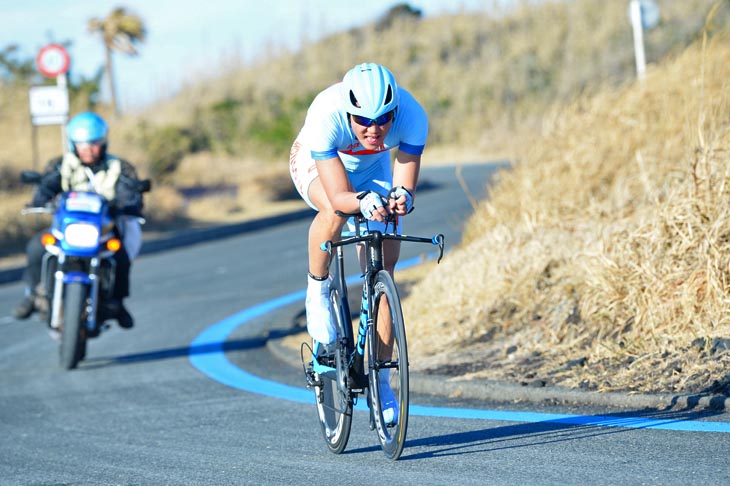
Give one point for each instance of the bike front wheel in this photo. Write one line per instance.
(334, 401)
(388, 358)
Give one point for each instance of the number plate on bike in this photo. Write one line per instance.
(84, 202)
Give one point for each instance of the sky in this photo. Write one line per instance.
(187, 39)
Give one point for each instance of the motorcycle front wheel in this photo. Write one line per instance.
(73, 338)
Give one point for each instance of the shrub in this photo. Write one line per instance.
(165, 147)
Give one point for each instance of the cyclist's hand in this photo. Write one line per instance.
(400, 200)
(372, 206)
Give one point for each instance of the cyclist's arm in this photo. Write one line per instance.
(337, 186)
(405, 173)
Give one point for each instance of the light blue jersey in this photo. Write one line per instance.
(327, 134)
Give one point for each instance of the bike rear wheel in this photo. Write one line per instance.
(392, 360)
(333, 398)
(72, 335)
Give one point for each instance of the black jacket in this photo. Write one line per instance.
(127, 200)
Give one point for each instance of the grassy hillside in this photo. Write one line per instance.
(602, 261)
(479, 76)
(483, 79)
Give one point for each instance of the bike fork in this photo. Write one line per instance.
(94, 297)
(57, 294)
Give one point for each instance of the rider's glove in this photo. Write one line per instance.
(398, 192)
(369, 202)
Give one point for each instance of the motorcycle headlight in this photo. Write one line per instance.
(82, 235)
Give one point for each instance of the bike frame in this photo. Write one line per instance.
(337, 371)
(373, 242)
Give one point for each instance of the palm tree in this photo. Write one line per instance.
(120, 31)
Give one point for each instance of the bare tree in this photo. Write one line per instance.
(120, 31)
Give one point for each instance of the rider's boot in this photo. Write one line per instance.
(124, 318)
(116, 310)
(26, 307)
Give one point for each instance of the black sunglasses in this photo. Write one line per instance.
(379, 121)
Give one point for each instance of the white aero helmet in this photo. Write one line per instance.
(369, 90)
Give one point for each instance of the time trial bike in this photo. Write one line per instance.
(361, 364)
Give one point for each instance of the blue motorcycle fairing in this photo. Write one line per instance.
(81, 207)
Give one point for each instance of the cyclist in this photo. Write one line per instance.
(114, 178)
(341, 161)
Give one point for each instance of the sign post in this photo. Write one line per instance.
(635, 15)
(49, 105)
(643, 15)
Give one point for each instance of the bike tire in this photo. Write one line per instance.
(72, 332)
(392, 436)
(333, 398)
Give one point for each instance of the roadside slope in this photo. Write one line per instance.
(602, 261)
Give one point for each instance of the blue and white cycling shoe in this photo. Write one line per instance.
(319, 318)
(388, 402)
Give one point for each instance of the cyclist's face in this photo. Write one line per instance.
(370, 137)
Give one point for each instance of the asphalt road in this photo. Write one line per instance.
(137, 411)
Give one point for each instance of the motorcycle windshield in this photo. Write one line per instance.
(84, 202)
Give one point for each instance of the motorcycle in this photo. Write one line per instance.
(78, 269)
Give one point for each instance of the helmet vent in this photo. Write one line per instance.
(353, 100)
(388, 96)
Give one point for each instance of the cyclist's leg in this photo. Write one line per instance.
(326, 225)
(391, 252)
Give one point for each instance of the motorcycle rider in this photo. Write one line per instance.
(115, 179)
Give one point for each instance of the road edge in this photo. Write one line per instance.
(477, 389)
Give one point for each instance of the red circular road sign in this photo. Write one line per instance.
(53, 60)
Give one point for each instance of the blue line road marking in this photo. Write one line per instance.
(215, 365)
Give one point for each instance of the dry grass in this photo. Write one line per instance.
(602, 260)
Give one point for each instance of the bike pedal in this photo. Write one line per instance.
(307, 366)
(312, 381)
(310, 376)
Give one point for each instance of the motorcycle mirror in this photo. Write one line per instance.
(30, 177)
(145, 185)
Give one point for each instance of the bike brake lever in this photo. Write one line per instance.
(439, 240)
(326, 246)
